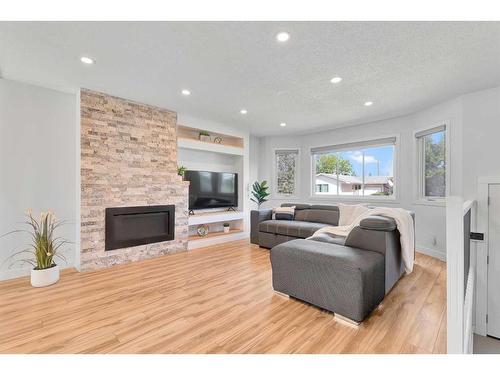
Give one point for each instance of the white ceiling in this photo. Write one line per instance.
(400, 66)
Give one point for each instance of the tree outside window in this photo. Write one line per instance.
(286, 172)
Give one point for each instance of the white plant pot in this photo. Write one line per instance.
(205, 138)
(226, 229)
(48, 276)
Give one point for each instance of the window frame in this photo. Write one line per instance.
(274, 191)
(418, 136)
(370, 142)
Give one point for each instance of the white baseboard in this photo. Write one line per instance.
(14, 273)
(435, 253)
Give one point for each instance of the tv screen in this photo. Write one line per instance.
(212, 189)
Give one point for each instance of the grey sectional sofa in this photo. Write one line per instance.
(348, 276)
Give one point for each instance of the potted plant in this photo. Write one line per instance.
(44, 248)
(226, 227)
(181, 171)
(259, 192)
(204, 136)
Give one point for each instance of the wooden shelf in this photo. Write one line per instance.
(195, 144)
(214, 234)
(215, 217)
(186, 132)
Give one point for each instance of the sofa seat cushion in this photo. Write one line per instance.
(294, 228)
(319, 215)
(328, 238)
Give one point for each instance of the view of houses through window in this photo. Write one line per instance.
(363, 170)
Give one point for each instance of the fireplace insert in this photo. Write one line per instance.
(133, 226)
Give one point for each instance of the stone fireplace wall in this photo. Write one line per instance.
(128, 158)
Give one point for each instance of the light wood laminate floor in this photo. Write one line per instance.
(213, 300)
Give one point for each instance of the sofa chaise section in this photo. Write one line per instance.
(345, 280)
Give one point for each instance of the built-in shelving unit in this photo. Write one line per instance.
(220, 153)
(215, 220)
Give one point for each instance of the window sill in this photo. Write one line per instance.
(344, 198)
(429, 202)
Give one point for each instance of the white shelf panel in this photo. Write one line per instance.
(206, 146)
(215, 217)
(209, 241)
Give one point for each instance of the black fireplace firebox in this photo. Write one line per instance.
(133, 226)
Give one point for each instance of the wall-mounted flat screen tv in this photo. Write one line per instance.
(212, 189)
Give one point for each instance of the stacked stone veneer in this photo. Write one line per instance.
(128, 158)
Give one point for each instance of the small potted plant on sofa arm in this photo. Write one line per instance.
(44, 248)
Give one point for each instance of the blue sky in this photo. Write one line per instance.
(376, 159)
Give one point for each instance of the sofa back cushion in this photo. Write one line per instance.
(298, 207)
(318, 216)
(316, 213)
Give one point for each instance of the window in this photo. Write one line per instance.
(361, 169)
(432, 162)
(321, 188)
(286, 162)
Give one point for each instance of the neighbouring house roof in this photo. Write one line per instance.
(369, 180)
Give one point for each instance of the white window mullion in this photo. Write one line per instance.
(363, 178)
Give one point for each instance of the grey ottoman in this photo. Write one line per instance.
(345, 280)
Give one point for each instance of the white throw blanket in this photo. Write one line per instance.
(403, 220)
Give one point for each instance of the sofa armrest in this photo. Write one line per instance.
(381, 223)
(380, 234)
(257, 217)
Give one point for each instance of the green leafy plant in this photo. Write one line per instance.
(259, 192)
(226, 225)
(44, 244)
(181, 171)
(205, 133)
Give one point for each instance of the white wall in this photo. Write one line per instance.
(430, 219)
(254, 151)
(481, 138)
(37, 164)
(200, 160)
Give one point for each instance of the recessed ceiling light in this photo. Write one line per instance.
(282, 36)
(336, 80)
(368, 104)
(186, 92)
(86, 60)
(283, 124)
(243, 111)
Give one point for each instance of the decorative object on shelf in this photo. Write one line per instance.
(202, 230)
(181, 171)
(204, 136)
(226, 227)
(44, 248)
(259, 192)
(218, 140)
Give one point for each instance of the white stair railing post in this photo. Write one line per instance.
(455, 274)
